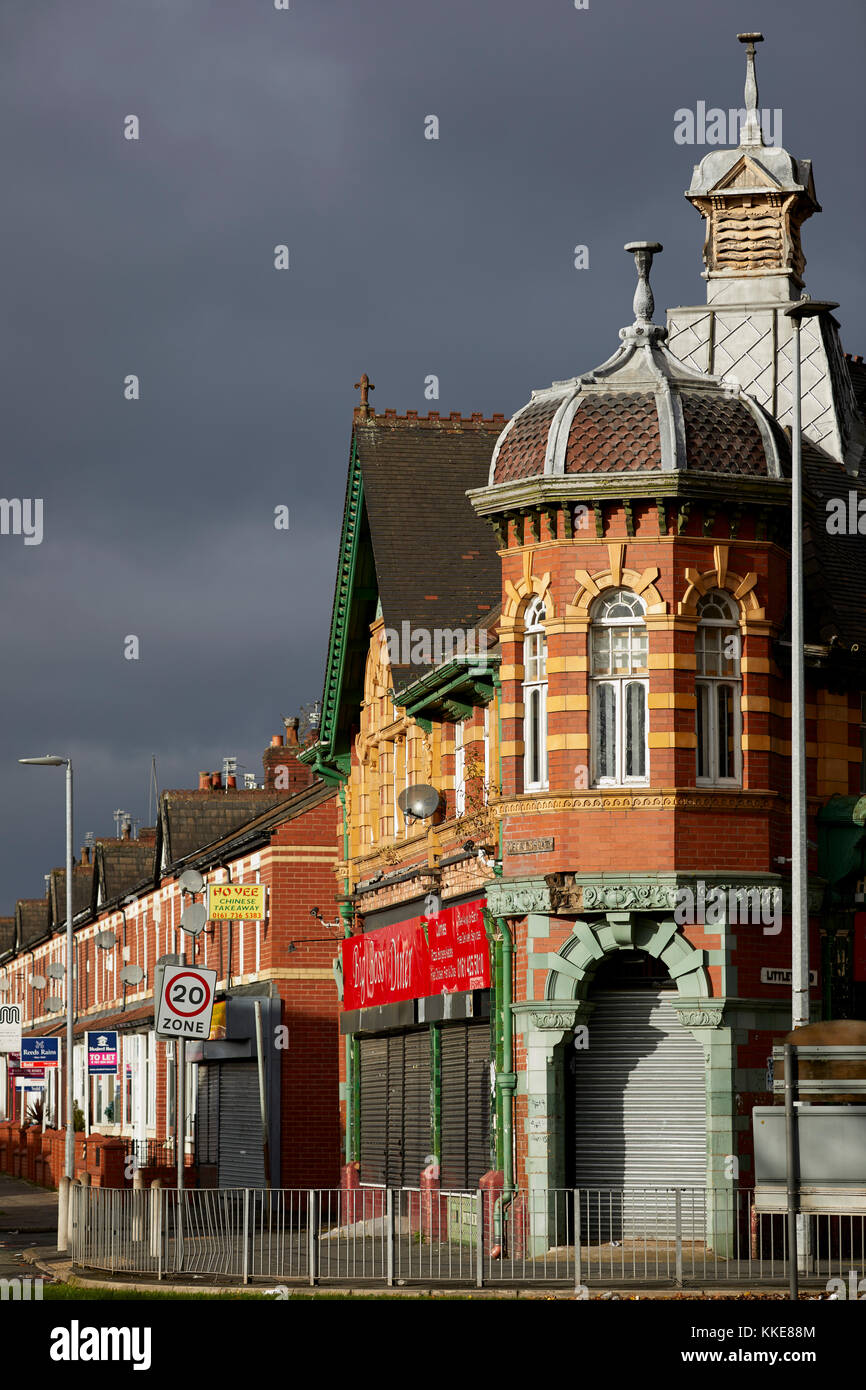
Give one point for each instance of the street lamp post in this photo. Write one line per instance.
(805, 308)
(53, 760)
(798, 1231)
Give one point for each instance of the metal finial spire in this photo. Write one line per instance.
(644, 303)
(751, 131)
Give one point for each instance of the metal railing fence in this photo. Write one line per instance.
(582, 1238)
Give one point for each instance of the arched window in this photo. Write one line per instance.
(717, 688)
(535, 698)
(619, 689)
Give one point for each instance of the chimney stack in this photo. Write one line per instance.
(283, 772)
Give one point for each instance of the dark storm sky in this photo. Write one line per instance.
(408, 257)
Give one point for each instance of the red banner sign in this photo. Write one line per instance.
(417, 958)
(384, 966)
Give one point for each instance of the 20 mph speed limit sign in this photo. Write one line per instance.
(185, 1002)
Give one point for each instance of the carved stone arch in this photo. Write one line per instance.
(571, 971)
(519, 594)
(617, 576)
(742, 588)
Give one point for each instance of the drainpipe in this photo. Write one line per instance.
(506, 1081)
(347, 912)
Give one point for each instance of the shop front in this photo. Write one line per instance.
(416, 1006)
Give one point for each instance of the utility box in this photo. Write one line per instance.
(830, 1122)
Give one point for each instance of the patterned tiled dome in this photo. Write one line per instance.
(641, 411)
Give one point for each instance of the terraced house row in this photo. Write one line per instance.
(128, 905)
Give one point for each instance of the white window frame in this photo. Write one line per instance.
(712, 683)
(619, 684)
(535, 689)
(459, 768)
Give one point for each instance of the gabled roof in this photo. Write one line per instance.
(31, 921)
(257, 830)
(835, 565)
(120, 866)
(7, 935)
(411, 543)
(189, 820)
(82, 888)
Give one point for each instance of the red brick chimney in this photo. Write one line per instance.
(283, 772)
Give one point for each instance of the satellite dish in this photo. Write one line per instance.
(131, 974)
(191, 881)
(420, 801)
(53, 1004)
(37, 981)
(193, 918)
(106, 939)
(54, 971)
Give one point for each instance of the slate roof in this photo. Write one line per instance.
(189, 820)
(120, 866)
(31, 920)
(257, 830)
(435, 559)
(82, 891)
(834, 565)
(7, 934)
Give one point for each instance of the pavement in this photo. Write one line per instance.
(28, 1224)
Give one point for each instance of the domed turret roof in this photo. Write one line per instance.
(641, 411)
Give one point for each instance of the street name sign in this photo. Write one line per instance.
(185, 1002)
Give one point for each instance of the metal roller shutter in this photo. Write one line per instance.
(640, 1114)
(395, 1108)
(394, 1142)
(465, 1105)
(374, 1108)
(416, 1106)
(207, 1116)
(241, 1162)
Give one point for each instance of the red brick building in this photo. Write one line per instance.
(610, 765)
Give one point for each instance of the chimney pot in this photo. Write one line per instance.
(231, 782)
(277, 741)
(127, 831)
(216, 781)
(204, 781)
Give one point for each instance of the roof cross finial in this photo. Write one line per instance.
(644, 304)
(365, 385)
(751, 133)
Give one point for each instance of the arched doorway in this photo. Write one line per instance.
(638, 1106)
